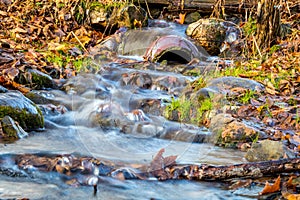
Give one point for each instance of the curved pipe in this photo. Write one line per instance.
(173, 45)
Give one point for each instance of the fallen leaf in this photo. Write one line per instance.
(271, 188)
(181, 18)
(170, 160)
(289, 196)
(158, 161)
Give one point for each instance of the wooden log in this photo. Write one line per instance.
(163, 168)
(247, 170)
(204, 6)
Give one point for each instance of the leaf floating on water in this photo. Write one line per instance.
(170, 160)
(271, 188)
(159, 163)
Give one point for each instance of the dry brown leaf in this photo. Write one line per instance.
(170, 160)
(158, 160)
(271, 91)
(271, 188)
(158, 164)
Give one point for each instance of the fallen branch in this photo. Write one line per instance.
(163, 168)
(247, 170)
(204, 6)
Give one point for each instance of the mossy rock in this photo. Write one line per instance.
(21, 109)
(36, 79)
(11, 129)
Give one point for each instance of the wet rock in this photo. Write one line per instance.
(141, 80)
(3, 89)
(52, 110)
(169, 83)
(224, 85)
(227, 131)
(11, 129)
(187, 133)
(21, 109)
(41, 97)
(106, 115)
(36, 79)
(89, 86)
(151, 106)
(267, 150)
(213, 33)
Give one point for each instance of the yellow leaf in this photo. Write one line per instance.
(289, 196)
(56, 46)
(19, 30)
(83, 39)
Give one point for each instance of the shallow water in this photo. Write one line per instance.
(115, 146)
(74, 132)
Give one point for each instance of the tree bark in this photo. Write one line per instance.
(247, 170)
(268, 23)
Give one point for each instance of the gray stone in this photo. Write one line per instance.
(225, 84)
(266, 150)
(228, 131)
(21, 109)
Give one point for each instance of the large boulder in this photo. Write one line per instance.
(21, 109)
(215, 35)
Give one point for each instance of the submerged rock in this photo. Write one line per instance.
(21, 109)
(3, 89)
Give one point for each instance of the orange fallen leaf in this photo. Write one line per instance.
(181, 18)
(271, 188)
(289, 196)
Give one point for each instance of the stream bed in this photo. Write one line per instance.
(115, 114)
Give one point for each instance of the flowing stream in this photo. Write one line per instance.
(77, 132)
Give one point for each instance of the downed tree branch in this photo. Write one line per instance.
(204, 6)
(163, 168)
(247, 170)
